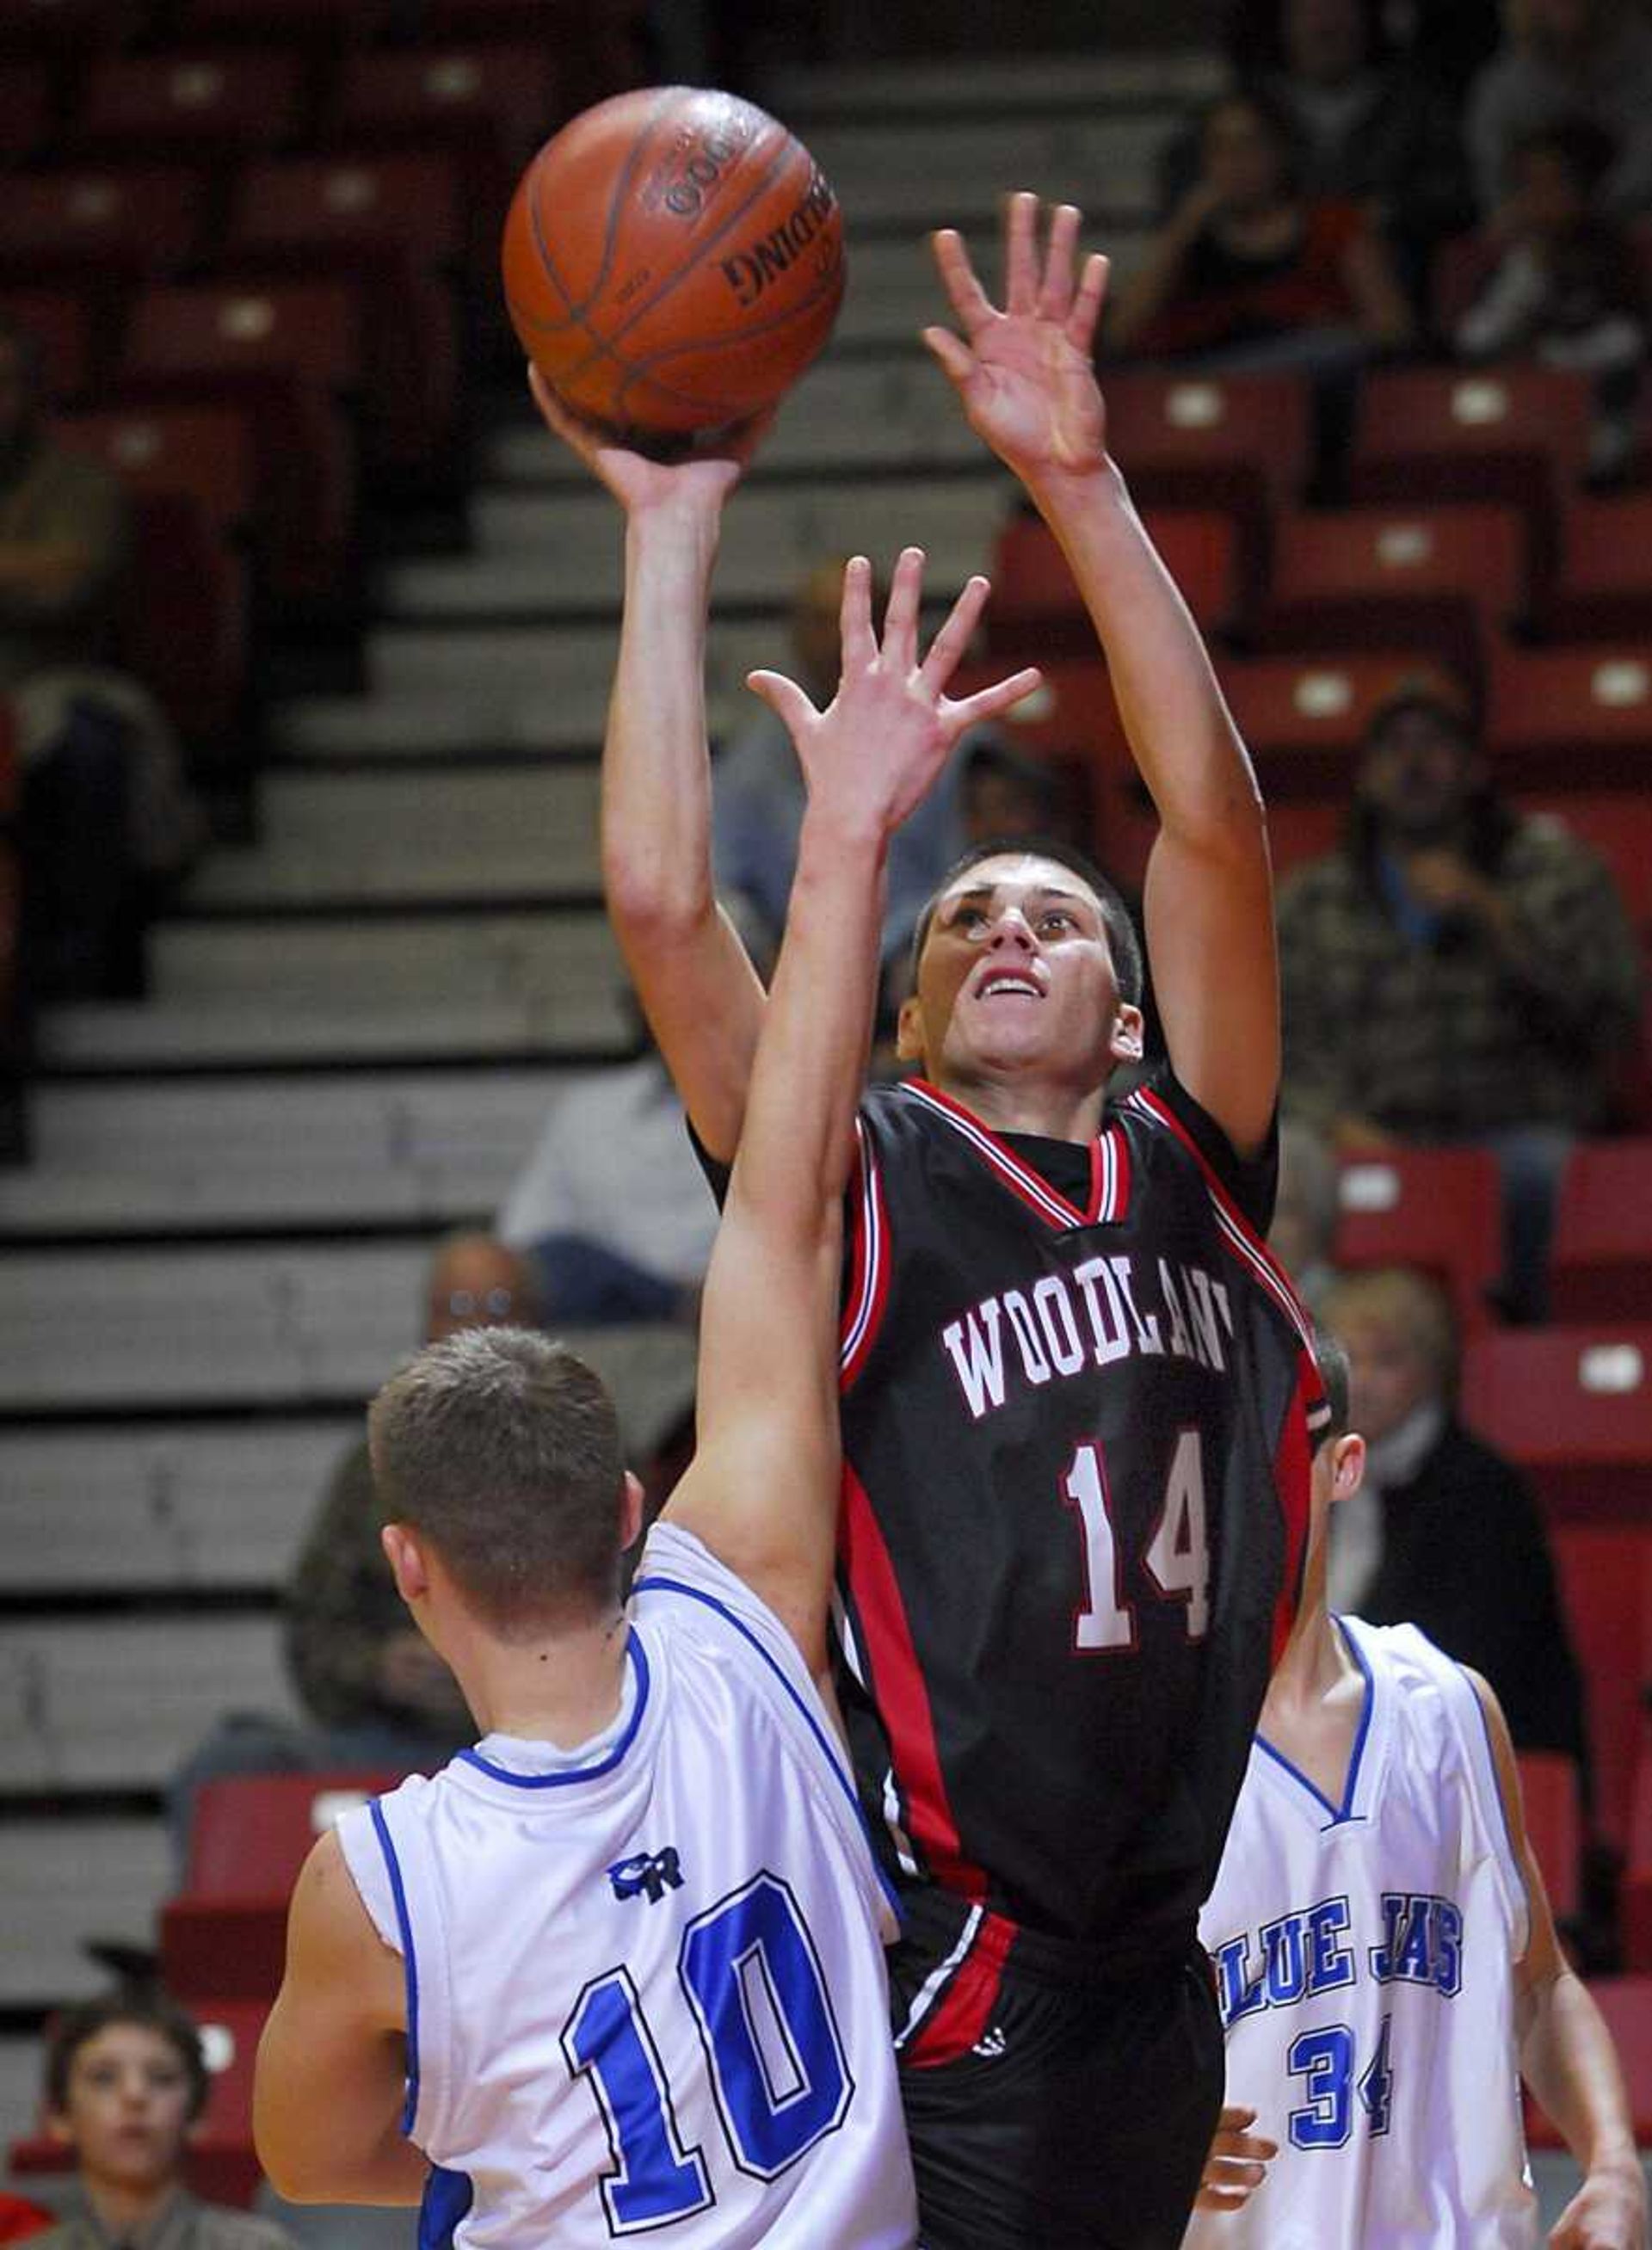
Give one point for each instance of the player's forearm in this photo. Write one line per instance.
(1568, 2060)
(1183, 740)
(656, 777)
(798, 1144)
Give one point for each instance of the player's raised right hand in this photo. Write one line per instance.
(1237, 2163)
(704, 477)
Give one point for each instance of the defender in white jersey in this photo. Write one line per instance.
(1385, 1961)
(618, 1969)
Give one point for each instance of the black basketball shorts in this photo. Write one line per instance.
(1055, 2100)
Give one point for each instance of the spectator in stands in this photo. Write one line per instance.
(105, 819)
(1454, 971)
(1446, 1534)
(1562, 59)
(20, 2219)
(375, 1694)
(1251, 270)
(1306, 1210)
(757, 795)
(126, 2080)
(1568, 288)
(611, 1207)
(1371, 130)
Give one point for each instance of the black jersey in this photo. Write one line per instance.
(1076, 1432)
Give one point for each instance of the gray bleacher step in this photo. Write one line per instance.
(416, 1149)
(1094, 82)
(67, 1880)
(427, 727)
(770, 541)
(372, 837)
(914, 172)
(163, 1506)
(226, 1326)
(92, 1704)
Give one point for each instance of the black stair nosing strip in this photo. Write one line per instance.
(64, 1802)
(141, 1604)
(71, 1070)
(987, 108)
(210, 1234)
(349, 909)
(136, 1414)
(987, 470)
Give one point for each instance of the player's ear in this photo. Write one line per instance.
(633, 1508)
(1129, 1030)
(909, 1030)
(406, 1560)
(1347, 1466)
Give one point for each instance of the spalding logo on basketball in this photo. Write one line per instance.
(673, 260)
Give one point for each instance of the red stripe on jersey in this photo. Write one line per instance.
(964, 2012)
(1248, 1245)
(869, 1290)
(885, 1643)
(1109, 1167)
(1293, 1475)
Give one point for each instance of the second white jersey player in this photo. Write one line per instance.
(1363, 1955)
(622, 1963)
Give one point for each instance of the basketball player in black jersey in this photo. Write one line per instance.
(1076, 1391)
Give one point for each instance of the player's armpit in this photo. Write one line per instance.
(331, 2076)
(1237, 2163)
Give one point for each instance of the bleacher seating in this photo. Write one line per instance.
(1437, 1208)
(1572, 1406)
(215, 106)
(1554, 1824)
(1605, 1572)
(28, 112)
(111, 225)
(1601, 1267)
(1603, 588)
(1035, 603)
(63, 325)
(1570, 718)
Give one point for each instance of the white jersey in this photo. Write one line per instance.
(1363, 1956)
(646, 1987)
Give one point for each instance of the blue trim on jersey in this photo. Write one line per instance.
(694, 1593)
(410, 1964)
(1344, 1810)
(1514, 1859)
(565, 1779)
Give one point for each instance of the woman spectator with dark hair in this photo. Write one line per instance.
(1250, 271)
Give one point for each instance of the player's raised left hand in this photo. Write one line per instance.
(1025, 372)
(1608, 2213)
(873, 753)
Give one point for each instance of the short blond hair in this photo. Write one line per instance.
(1400, 1297)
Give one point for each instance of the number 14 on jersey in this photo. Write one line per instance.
(1176, 1557)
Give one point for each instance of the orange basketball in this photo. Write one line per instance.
(673, 260)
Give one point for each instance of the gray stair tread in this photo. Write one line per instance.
(892, 171)
(373, 836)
(163, 1505)
(1063, 82)
(67, 1880)
(421, 1149)
(563, 675)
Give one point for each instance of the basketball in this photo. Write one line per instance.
(672, 261)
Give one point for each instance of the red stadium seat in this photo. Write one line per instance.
(309, 26)
(1297, 832)
(1304, 717)
(223, 1936)
(1513, 434)
(390, 228)
(1461, 268)
(61, 28)
(1439, 1209)
(63, 325)
(1601, 1264)
(220, 2163)
(287, 355)
(1605, 1572)
(497, 101)
(595, 41)
(1240, 443)
(205, 451)
(214, 105)
(1447, 580)
(1572, 1406)
(1036, 605)
(1554, 1823)
(1603, 589)
(1635, 1896)
(94, 223)
(1570, 718)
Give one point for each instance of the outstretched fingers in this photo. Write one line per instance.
(854, 615)
(785, 699)
(901, 618)
(1020, 253)
(965, 293)
(948, 648)
(1082, 320)
(992, 702)
(1055, 291)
